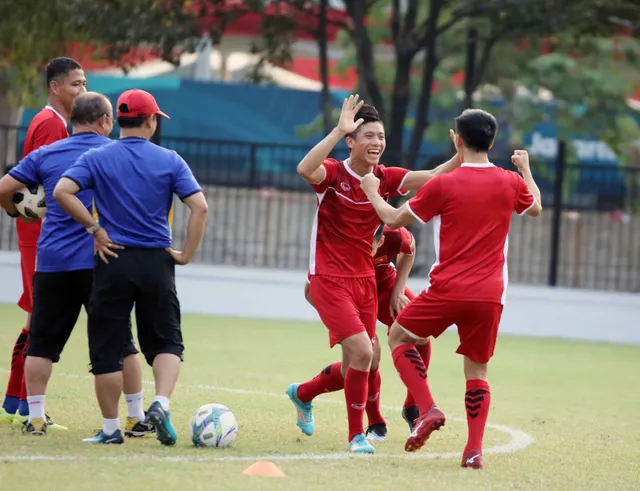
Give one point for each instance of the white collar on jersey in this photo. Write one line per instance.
(477, 165)
(350, 170)
(56, 113)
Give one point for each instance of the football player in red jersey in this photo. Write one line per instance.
(471, 210)
(65, 80)
(342, 286)
(393, 295)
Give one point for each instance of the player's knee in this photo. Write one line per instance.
(48, 352)
(361, 357)
(474, 370)
(359, 351)
(398, 337)
(169, 349)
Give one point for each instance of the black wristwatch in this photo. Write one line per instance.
(13, 215)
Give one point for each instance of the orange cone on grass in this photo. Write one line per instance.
(263, 468)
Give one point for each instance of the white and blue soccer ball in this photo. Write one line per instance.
(213, 425)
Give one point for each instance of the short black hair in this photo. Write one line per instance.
(89, 107)
(60, 67)
(477, 128)
(127, 122)
(369, 114)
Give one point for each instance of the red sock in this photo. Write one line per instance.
(355, 393)
(425, 353)
(477, 401)
(413, 373)
(17, 365)
(373, 399)
(328, 380)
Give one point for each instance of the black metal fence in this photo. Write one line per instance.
(261, 214)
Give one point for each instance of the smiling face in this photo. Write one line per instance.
(65, 88)
(368, 143)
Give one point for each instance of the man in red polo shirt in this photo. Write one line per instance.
(65, 80)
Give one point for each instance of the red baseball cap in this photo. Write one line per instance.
(136, 103)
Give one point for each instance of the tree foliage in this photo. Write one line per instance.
(429, 41)
(31, 33)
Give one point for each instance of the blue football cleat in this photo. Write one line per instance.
(102, 437)
(161, 420)
(304, 409)
(359, 444)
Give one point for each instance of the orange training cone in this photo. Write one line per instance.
(263, 468)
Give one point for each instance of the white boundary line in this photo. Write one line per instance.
(519, 439)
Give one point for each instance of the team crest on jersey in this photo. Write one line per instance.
(345, 186)
(380, 260)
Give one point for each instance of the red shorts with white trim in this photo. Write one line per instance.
(384, 301)
(28, 267)
(347, 306)
(477, 323)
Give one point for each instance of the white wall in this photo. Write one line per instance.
(278, 294)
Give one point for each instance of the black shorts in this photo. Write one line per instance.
(57, 300)
(144, 278)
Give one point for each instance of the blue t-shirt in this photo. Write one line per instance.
(133, 181)
(64, 244)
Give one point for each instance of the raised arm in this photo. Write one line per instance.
(417, 178)
(520, 159)
(310, 167)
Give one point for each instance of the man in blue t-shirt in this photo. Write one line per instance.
(64, 268)
(133, 181)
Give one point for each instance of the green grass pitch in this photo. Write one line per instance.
(579, 402)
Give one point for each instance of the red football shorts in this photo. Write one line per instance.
(28, 267)
(347, 306)
(477, 323)
(384, 300)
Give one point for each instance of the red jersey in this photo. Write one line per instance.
(471, 209)
(394, 243)
(345, 221)
(46, 127)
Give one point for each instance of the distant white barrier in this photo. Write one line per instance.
(278, 294)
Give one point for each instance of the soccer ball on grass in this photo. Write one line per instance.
(213, 425)
(30, 201)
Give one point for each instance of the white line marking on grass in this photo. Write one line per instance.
(518, 439)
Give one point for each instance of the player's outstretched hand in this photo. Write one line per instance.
(370, 183)
(350, 108)
(520, 159)
(178, 257)
(103, 245)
